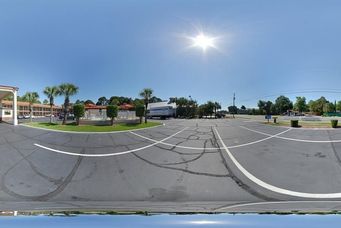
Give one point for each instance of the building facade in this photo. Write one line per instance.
(38, 110)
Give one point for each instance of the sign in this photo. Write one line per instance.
(268, 117)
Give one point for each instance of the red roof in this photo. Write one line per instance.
(92, 106)
(126, 106)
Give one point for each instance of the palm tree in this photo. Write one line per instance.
(67, 90)
(146, 94)
(217, 106)
(51, 93)
(31, 98)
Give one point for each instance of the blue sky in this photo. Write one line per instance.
(179, 221)
(119, 47)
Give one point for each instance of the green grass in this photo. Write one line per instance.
(91, 128)
(305, 124)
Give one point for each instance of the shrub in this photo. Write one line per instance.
(112, 111)
(78, 111)
(294, 123)
(140, 112)
(334, 123)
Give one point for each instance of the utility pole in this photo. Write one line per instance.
(234, 98)
(234, 105)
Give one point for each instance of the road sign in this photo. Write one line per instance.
(268, 117)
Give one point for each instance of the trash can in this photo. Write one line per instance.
(275, 119)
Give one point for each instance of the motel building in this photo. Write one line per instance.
(99, 112)
(11, 110)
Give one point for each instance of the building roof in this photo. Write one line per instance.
(92, 106)
(126, 106)
(24, 103)
(8, 87)
(6, 90)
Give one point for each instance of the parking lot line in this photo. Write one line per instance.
(293, 139)
(271, 187)
(107, 155)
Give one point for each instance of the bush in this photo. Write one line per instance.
(294, 123)
(334, 123)
(78, 111)
(112, 111)
(139, 112)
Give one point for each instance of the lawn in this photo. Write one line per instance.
(91, 128)
(305, 124)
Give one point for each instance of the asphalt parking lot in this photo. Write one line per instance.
(223, 165)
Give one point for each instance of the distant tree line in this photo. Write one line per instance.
(283, 104)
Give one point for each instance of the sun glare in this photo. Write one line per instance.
(203, 41)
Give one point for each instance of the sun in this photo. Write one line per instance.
(203, 41)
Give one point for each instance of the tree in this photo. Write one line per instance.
(79, 101)
(185, 107)
(67, 90)
(87, 102)
(210, 106)
(300, 104)
(51, 93)
(102, 101)
(45, 101)
(120, 100)
(155, 99)
(172, 100)
(328, 107)
(233, 110)
(114, 102)
(243, 107)
(338, 106)
(31, 98)
(318, 106)
(217, 106)
(112, 111)
(137, 102)
(283, 104)
(268, 106)
(261, 106)
(146, 94)
(139, 109)
(78, 111)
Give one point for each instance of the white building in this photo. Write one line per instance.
(9, 112)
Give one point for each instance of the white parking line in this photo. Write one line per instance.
(107, 155)
(173, 145)
(293, 139)
(271, 187)
(258, 141)
(209, 148)
(274, 202)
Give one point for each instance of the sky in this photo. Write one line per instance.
(109, 48)
(179, 221)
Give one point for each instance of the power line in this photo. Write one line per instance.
(291, 93)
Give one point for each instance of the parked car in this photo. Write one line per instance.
(69, 117)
